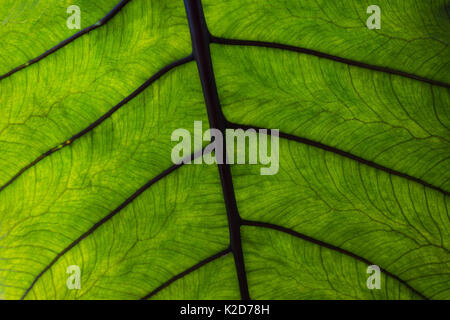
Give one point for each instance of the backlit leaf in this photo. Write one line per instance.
(87, 179)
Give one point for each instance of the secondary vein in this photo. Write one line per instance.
(65, 42)
(97, 122)
(319, 54)
(187, 271)
(328, 246)
(343, 153)
(107, 218)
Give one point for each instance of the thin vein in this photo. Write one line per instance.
(97, 122)
(110, 216)
(65, 42)
(328, 246)
(344, 154)
(319, 54)
(187, 271)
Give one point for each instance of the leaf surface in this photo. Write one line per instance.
(86, 176)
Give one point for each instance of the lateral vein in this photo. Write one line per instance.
(319, 54)
(109, 217)
(343, 153)
(187, 271)
(328, 246)
(97, 122)
(65, 42)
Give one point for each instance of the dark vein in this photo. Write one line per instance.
(65, 42)
(186, 272)
(97, 122)
(200, 45)
(344, 154)
(327, 56)
(328, 246)
(109, 216)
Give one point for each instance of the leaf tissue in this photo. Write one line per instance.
(93, 207)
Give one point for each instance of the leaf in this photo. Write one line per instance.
(86, 176)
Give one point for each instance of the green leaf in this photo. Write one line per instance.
(87, 180)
